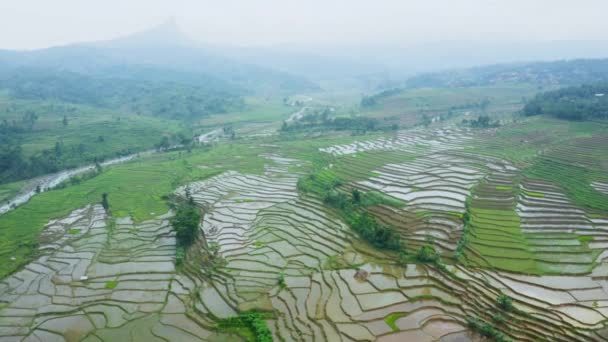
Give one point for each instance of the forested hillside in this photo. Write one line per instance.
(573, 103)
(566, 72)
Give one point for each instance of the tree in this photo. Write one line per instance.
(185, 223)
(356, 196)
(504, 302)
(426, 121)
(58, 148)
(163, 144)
(65, 121)
(427, 253)
(104, 201)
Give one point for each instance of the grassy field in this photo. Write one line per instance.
(257, 110)
(522, 141)
(134, 189)
(119, 131)
(8, 191)
(502, 101)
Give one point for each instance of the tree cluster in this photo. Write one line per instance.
(586, 102)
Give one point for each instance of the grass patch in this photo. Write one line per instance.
(585, 238)
(504, 188)
(392, 318)
(74, 231)
(111, 284)
(246, 200)
(371, 198)
(135, 189)
(575, 180)
(533, 194)
(486, 329)
(250, 325)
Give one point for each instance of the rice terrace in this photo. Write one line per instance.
(148, 196)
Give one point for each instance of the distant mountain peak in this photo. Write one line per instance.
(167, 33)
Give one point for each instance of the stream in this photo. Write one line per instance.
(48, 182)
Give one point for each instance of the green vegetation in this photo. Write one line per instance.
(141, 96)
(392, 318)
(104, 201)
(359, 124)
(74, 231)
(281, 281)
(372, 198)
(464, 238)
(505, 302)
(136, 189)
(483, 121)
(325, 183)
(565, 72)
(486, 329)
(427, 254)
(578, 188)
(251, 325)
(584, 102)
(410, 105)
(185, 222)
(533, 194)
(33, 140)
(111, 284)
(373, 232)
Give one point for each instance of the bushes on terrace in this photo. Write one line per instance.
(185, 223)
(482, 121)
(427, 254)
(486, 329)
(464, 239)
(325, 184)
(375, 233)
(251, 320)
(355, 124)
(505, 302)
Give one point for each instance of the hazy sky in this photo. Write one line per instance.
(41, 23)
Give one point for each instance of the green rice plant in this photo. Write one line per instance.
(392, 318)
(533, 194)
(486, 329)
(111, 284)
(251, 325)
(505, 302)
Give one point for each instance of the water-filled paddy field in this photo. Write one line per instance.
(522, 245)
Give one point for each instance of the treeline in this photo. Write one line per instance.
(567, 72)
(350, 206)
(322, 122)
(166, 99)
(368, 101)
(483, 121)
(579, 103)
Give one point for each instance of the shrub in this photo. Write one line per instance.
(281, 281)
(104, 201)
(498, 318)
(375, 233)
(252, 320)
(486, 329)
(185, 223)
(428, 254)
(505, 302)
